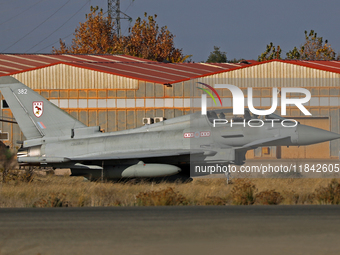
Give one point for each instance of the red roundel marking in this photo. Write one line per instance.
(189, 135)
(196, 134)
(205, 133)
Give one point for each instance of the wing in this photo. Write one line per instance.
(133, 155)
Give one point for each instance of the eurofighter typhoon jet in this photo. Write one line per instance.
(56, 139)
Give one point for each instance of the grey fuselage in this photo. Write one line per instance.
(162, 137)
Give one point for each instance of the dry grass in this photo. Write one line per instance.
(268, 197)
(329, 194)
(162, 197)
(243, 192)
(59, 191)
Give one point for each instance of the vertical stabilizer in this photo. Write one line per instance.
(36, 116)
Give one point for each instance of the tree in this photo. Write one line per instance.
(235, 60)
(294, 54)
(94, 36)
(217, 56)
(7, 161)
(145, 40)
(312, 49)
(270, 53)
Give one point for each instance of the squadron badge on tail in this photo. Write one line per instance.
(38, 108)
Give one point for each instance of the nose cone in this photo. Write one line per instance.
(310, 135)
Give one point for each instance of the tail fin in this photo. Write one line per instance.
(36, 116)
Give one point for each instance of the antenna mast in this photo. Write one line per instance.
(113, 11)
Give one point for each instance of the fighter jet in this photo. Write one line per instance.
(56, 139)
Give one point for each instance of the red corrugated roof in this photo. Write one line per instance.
(126, 66)
(137, 68)
(325, 65)
(330, 66)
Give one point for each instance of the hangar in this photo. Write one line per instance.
(321, 78)
(116, 92)
(112, 91)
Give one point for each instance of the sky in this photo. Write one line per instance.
(242, 28)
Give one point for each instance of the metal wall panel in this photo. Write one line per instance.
(83, 117)
(102, 120)
(112, 122)
(140, 114)
(93, 118)
(159, 113)
(159, 90)
(130, 119)
(169, 91)
(279, 73)
(149, 113)
(140, 92)
(68, 77)
(121, 120)
(178, 89)
(7, 127)
(74, 113)
(334, 118)
(17, 136)
(149, 89)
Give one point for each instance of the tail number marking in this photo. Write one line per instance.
(22, 91)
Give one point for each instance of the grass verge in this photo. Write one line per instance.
(65, 191)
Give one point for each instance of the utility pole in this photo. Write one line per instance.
(113, 11)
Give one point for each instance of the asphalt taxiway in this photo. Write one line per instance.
(171, 230)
